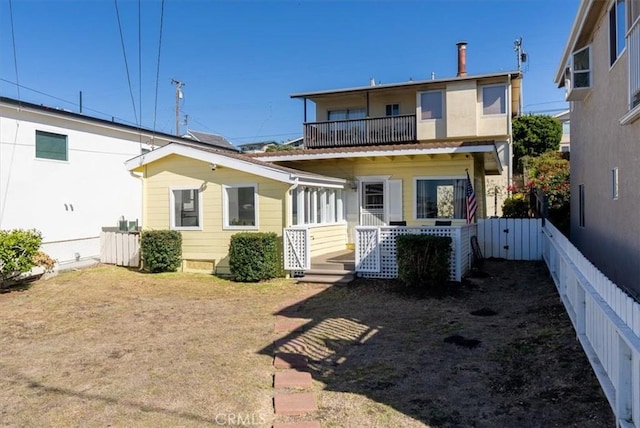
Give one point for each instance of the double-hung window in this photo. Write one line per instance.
(617, 30)
(440, 197)
(346, 114)
(51, 146)
(431, 105)
(392, 110)
(494, 99)
(186, 208)
(240, 206)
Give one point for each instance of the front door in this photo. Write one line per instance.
(372, 203)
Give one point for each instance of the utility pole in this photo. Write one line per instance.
(520, 53)
(178, 86)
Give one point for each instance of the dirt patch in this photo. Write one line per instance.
(113, 347)
(498, 351)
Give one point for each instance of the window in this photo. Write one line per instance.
(440, 198)
(431, 105)
(51, 146)
(493, 99)
(581, 73)
(240, 206)
(346, 114)
(614, 184)
(392, 109)
(617, 30)
(566, 128)
(581, 205)
(186, 208)
(317, 206)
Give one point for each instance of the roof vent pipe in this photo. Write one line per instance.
(462, 59)
(433, 75)
(372, 82)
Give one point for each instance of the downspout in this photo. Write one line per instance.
(288, 205)
(140, 177)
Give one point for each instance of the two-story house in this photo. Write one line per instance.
(378, 155)
(62, 173)
(600, 69)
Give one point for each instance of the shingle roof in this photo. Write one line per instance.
(213, 140)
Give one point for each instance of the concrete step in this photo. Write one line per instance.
(292, 379)
(327, 279)
(323, 271)
(294, 404)
(332, 265)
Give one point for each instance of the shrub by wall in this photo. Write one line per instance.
(19, 252)
(516, 206)
(423, 261)
(254, 256)
(161, 250)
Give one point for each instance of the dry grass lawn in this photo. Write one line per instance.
(112, 347)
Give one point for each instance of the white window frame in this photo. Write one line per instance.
(320, 206)
(442, 112)
(386, 106)
(172, 202)
(614, 9)
(48, 159)
(504, 98)
(578, 93)
(225, 207)
(432, 178)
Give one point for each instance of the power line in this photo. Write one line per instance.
(126, 64)
(140, 65)
(155, 103)
(13, 40)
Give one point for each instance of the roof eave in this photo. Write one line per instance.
(576, 30)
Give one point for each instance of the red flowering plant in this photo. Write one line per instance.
(550, 173)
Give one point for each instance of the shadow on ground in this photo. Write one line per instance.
(524, 366)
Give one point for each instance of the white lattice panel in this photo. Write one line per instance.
(367, 249)
(387, 253)
(297, 254)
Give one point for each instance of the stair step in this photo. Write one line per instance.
(327, 279)
(322, 271)
(325, 265)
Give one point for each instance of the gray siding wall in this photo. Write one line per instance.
(611, 236)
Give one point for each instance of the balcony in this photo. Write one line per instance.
(360, 132)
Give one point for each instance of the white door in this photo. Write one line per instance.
(372, 203)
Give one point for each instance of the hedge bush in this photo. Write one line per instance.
(254, 256)
(516, 206)
(423, 261)
(19, 252)
(161, 250)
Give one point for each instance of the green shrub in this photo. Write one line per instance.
(423, 261)
(254, 256)
(161, 250)
(19, 252)
(516, 206)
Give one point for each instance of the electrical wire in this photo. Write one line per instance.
(15, 54)
(126, 64)
(140, 67)
(155, 103)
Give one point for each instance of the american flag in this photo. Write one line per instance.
(472, 204)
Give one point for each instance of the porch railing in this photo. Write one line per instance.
(360, 132)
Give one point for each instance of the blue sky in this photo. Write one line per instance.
(240, 60)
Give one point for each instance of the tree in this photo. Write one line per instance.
(534, 135)
(550, 172)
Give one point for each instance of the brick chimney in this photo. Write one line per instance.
(462, 59)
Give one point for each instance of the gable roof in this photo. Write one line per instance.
(236, 161)
(488, 149)
(212, 139)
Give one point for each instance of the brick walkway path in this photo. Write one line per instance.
(294, 403)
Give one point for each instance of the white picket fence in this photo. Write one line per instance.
(120, 248)
(606, 320)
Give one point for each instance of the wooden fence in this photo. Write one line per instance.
(511, 238)
(606, 320)
(120, 248)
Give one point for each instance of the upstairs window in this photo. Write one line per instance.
(494, 100)
(617, 30)
(431, 105)
(51, 146)
(346, 114)
(393, 109)
(581, 70)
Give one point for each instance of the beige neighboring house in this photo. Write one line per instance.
(564, 119)
(600, 69)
